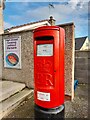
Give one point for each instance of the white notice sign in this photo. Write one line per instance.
(45, 50)
(12, 52)
(43, 96)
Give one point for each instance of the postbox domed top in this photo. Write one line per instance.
(47, 28)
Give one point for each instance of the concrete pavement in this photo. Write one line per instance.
(76, 109)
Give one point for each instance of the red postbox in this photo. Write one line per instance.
(49, 66)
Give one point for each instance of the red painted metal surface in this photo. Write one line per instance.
(49, 70)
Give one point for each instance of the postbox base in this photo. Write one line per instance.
(49, 114)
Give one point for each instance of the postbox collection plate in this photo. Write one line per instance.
(45, 50)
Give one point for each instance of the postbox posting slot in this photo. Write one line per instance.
(44, 38)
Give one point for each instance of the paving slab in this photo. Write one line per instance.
(9, 88)
(8, 105)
